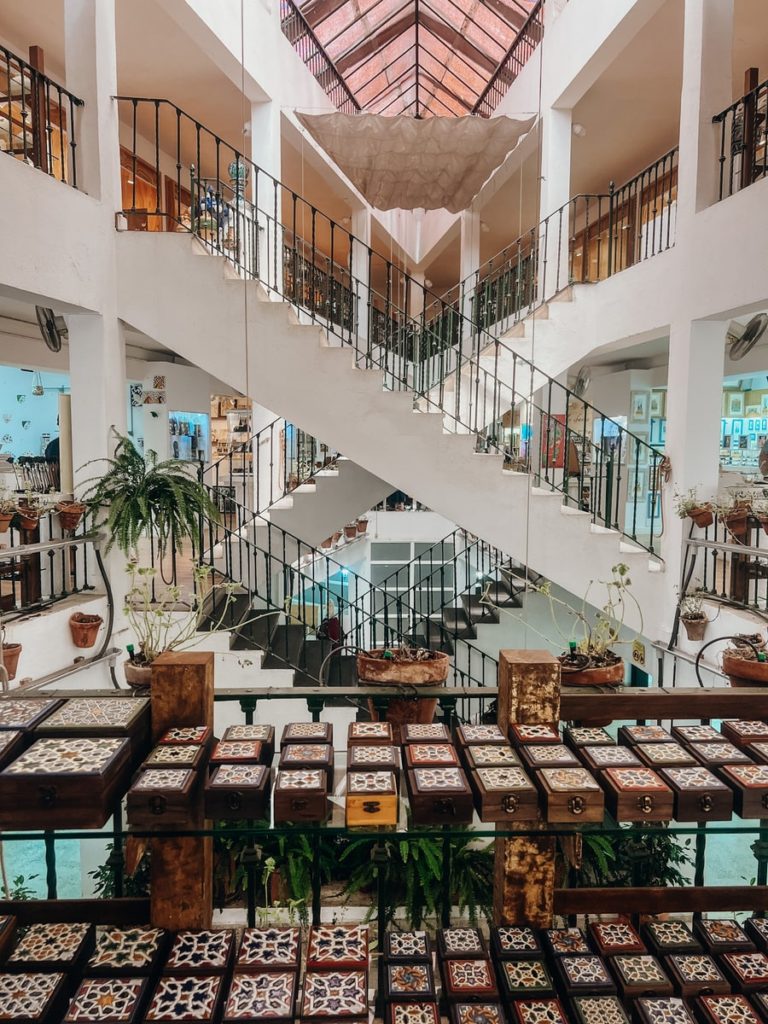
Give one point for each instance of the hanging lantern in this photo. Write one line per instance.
(37, 389)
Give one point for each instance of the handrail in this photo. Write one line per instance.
(39, 547)
(327, 75)
(742, 125)
(109, 657)
(510, 65)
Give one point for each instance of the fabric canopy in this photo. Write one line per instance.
(406, 163)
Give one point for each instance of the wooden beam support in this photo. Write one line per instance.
(182, 866)
(661, 899)
(626, 703)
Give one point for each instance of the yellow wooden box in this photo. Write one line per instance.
(371, 799)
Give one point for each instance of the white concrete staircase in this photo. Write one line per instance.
(173, 292)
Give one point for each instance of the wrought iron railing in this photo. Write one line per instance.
(743, 141)
(38, 119)
(299, 34)
(513, 62)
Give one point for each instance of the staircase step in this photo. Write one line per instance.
(285, 646)
(503, 595)
(434, 635)
(255, 634)
(478, 613)
(237, 610)
(458, 624)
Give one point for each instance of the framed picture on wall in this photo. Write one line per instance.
(736, 403)
(638, 406)
(763, 403)
(636, 484)
(653, 505)
(658, 403)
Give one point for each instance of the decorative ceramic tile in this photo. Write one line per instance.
(694, 778)
(760, 749)
(269, 947)
(585, 970)
(616, 935)
(405, 980)
(665, 753)
(333, 945)
(501, 779)
(496, 757)
(761, 1000)
(22, 712)
(50, 943)
(461, 942)
(468, 977)
(647, 734)
(303, 753)
(723, 932)
(186, 734)
(137, 395)
(550, 753)
(754, 776)
(730, 1009)
(126, 949)
(164, 756)
(7, 737)
(413, 1013)
(334, 995)
(612, 757)
(27, 997)
(664, 1010)
(526, 976)
(162, 778)
(540, 1011)
(513, 939)
(370, 755)
(239, 775)
(567, 940)
(237, 750)
(639, 969)
(636, 778)
(407, 945)
(185, 998)
(200, 951)
(720, 753)
(298, 778)
(439, 778)
(745, 728)
(584, 735)
(420, 731)
(671, 934)
(248, 732)
(370, 731)
(482, 733)
(760, 925)
(564, 780)
(749, 968)
(50, 756)
(532, 733)
(305, 731)
(479, 1013)
(600, 1010)
(696, 968)
(698, 733)
(270, 995)
(370, 782)
(106, 999)
(97, 711)
(432, 753)
(158, 382)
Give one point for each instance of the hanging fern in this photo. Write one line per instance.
(139, 497)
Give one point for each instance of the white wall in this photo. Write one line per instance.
(25, 417)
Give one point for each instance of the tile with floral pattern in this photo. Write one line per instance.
(265, 996)
(200, 951)
(337, 946)
(335, 995)
(126, 951)
(107, 1001)
(410, 980)
(28, 998)
(269, 949)
(186, 998)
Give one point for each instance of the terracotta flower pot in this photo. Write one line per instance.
(11, 655)
(84, 629)
(5, 521)
(695, 628)
(362, 525)
(137, 676)
(745, 671)
(602, 675)
(70, 514)
(350, 531)
(337, 537)
(735, 521)
(703, 516)
(27, 521)
(410, 709)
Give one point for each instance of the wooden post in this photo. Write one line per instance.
(751, 82)
(39, 109)
(524, 880)
(182, 866)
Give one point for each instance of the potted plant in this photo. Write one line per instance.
(70, 514)
(350, 531)
(10, 655)
(404, 666)
(733, 514)
(688, 504)
(7, 511)
(745, 662)
(760, 512)
(84, 629)
(336, 537)
(29, 510)
(142, 497)
(362, 524)
(692, 615)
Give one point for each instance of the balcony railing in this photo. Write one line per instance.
(38, 119)
(513, 62)
(743, 141)
(728, 561)
(297, 31)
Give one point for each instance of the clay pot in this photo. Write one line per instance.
(350, 531)
(70, 514)
(763, 520)
(411, 709)
(695, 628)
(137, 676)
(5, 521)
(11, 655)
(28, 521)
(603, 675)
(327, 543)
(735, 521)
(362, 525)
(703, 516)
(84, 629)
(337, 537)
(744, 672)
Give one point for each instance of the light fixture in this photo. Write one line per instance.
(578, 129)
(37, 389)
(485, 228)
(427, 283)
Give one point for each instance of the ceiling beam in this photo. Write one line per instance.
(318, 10)
(444, 88)
(514, 16)
(453, 39)
(376, 41)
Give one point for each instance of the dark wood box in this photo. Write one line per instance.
(101, 716)
(12, 743)
(420, 1012)
(408, 946)
(725, 1009)
(578, 736)
(695, 974)
(548, 755)
(525, 978)
(468, 980)
(664, 937)
(265, 734)
(760, 1003)
(301, 795)
(699, 795)
(633, 734)
(61, 782)
(741, 732)
(570, 795)
(409, 981)
(522, 734)
(637, 794)
(34, 998)
(179, 735)
(612, 937)
(696, 734)
(599, 758)
(370, 733)
(534, 1011)
(490, 756)
(713, 755)
(723, 936)
(307, 732)
(335, 996)
(371, 799)
(664, 755)
(173, 993)
(337, 947)
(474, 735)
(749, 783)
(125, 998)
(237, 791)
(431, 755)
(757, 929)
(127, 951)
(565, 941)
(363, 757)
(169, 755)
(269, 949)
(265, 998)
(7, 934)
(238, 752)
(597, 1010)
(640, 974)
(747, 971)
(201, 951)
(25, 713)
(464, 943)
(504, 794)
(670, 1009)
(439, 796)
(161, 797)
(308, 755)
(434, 732)
(511, 942)
(52, 947)
(758, 752)
(466, 1013)
(583, 974)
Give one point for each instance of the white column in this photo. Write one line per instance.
(266, 191)
(706, 90)
(555, 191)
(469, 264)
(360, 229)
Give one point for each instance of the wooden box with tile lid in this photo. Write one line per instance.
(439, 796)
(695, 974)
(431, 755)
(162, 797)
(474, 735)
(598, 758)
(236, 791)
(504, 794)
(632, 734)
(749, 783)
(490, 756)
(34, 998)
(307, 732)
(126, 718)
(368, 733)
(520, 735)
(25, 713)
(309, 755)
(637, 794)
(301, 795)
(699, 795)
(664, 755)
(696, 734)
(548, 755)
(748, 971)
(582, 973)
(640, 974)
(418, 732)
(570, 795)
(665, 937)
(264, 734)
(714, 755)
(371, 799)
(238, 752)
(741, 732)
(726, 1009)
(578, 736)
(374, 757)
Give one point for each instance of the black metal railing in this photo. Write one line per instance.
(38, 119)
(728, 560)
(480, 384)
(513, 62)
(743, 141)
(299, 34)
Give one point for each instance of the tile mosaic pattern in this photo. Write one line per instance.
(730, 1009)
(750, 968)
(237, 750)
(126, 949)
(21, 712)
(248, 732)
(372, 755)
(720, 753)
(97, 711)
(532, 733)
(583, 735)
(304, 753)
(432, 753)
(696, 967)
(482, 733)
(270, 994)
(698, 733)
(723, 932)
(409, 980)
(419, 731)
(404, 945)
(550, 753)
(50, 943)
(470, 976)
(671, 933)
(479, 1013)
(513, 939)
(636, 778)
(647, 734)
(526, 975)
(200, 951)
(612, 757)
(753, 776)
(761, 749)
(269, 947)
(370, 782)
(666, 753)
(694, 778)
(565, 780)
(239, 775)
(165, 755)
(494, 757)
(338, 944)
(428, 779)
(370, 731)
(305, 731)
(162, 778)
(185, 998)
(335, 995)
(105, 999)
(461, 941)
(639, 969)
(7, 737)
(664, 1010)
(297, 778)
(501, 779)
(600, 1009)
(540, 1011)
(27, 996)
(616, 935)
(742, 727)
(51, 756)
(413, 1013)
(760, 924)
(585, 970)
(186, 734)
(567, 940)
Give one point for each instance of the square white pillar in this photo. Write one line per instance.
(555, 191)
(360, 229)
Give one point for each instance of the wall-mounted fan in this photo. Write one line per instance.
(53, 328)
(741, 339)
(580, 385)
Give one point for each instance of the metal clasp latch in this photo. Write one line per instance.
(510, 803)
(235, 800)
(157, 804)
(445, 805)
(645, 803)
(47, 795)
(299, 805)
(577, 805)
(371, 806)
(706, 802)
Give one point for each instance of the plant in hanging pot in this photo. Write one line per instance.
(688, 504)
(362, 524)
(350, 531)
(70, 514)
(10, 656)
(84, 629)
(745, 662)
(692, 615)
(760, 512)
(30, 509)
(733, 513)
(405, 666)
(336, 537)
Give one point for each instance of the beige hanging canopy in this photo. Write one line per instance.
(401, 162)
